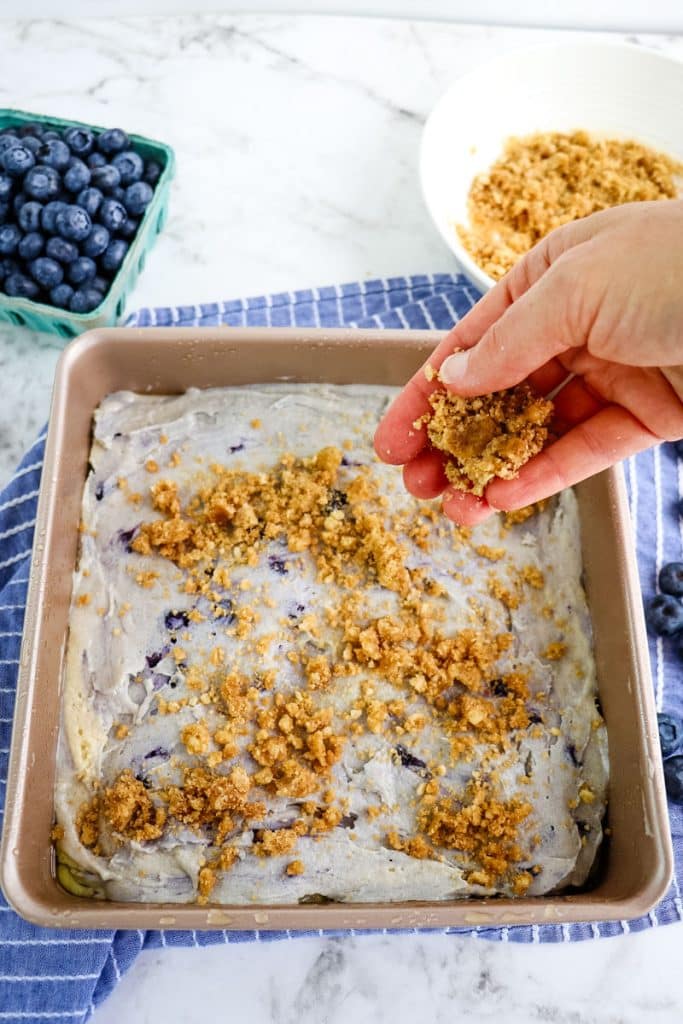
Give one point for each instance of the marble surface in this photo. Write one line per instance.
(297, 145)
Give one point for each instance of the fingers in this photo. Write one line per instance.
(424, 475)
(465, 509)
(607, 437)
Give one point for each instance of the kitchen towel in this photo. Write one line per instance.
(59, 975)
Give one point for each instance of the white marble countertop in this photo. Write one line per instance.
(297, 140)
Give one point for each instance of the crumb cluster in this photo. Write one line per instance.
(545, 180)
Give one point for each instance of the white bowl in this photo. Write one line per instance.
(605, 88)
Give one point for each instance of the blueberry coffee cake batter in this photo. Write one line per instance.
(288, 681)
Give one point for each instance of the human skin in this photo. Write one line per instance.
(599, 298)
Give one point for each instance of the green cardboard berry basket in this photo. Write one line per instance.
(38, 316)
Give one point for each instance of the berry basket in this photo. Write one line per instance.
(40, 316)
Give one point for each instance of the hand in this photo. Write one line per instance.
(600, 298)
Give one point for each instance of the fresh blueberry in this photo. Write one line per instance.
(90, 199)
(9, 239)
(59, 249)
(18, 160)
(29, 215)
(46, 272)
(81, 271)
(138, 197)
(7, 266)
(4, 213)
(671, 578)
(114, 255)
(7, 141)
(76, 176)
(96, 160)
(73, 223)
(96, 242)
(31, 128)
(6, 186)
(80, 141)
(33, 143)
(101, 284)
(42, 182)
(50, 133)
(152, 172)
(84, 300)
(129, 165)
(54, 153)
(129, 228)
(49, 215)
(61, 295)
(105, 178)
(21, 287)
(112, 141)
(31, 245)
(673, 777)
(118, 193)
(670, 734)
(18, 201)
(664, 615)
(112, 214)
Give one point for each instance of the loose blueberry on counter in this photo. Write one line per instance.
(96, 160)
(30, 216)
(129, 165)
(105, 178)
(664, 615)
(90, 199)
(114, 255)
(6, 186)
(49, 215)
(81, 271)
(408, 760)
(79, 140)
(138, 196)
(46, 272)
(77, 176)
(152, 172)
(21, 287)
(54, 153)
(42, 183)
(31, 245)
(9, 239)
(113, 140)
(673, 777)
(176, 620)
(671, 578)
(670, 734)
(18, 160)
(59, 249)
(61, 295)
(112, 214)
(73, 223)
(84, 300)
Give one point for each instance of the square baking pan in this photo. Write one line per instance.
(636, 860)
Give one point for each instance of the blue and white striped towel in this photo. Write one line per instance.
(60, 975)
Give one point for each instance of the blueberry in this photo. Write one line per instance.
(61, 295)
(31, 128)
(671, 578)
(105, 178)
(18, 160)
(79, 140)
(29, 215)
(176, 620)
(7, 266)
(129, 228)
(89, 199)
(6, 186)
(112, 214)
(50, 133)
(18, 201)
(138, 197)
(129, 165)
(96, 242)
(73, 223)
(664, 615)
(670, 734)
(54, 153)
(42, 182)
(4, 213)
(152, 172)
(85, 300)
(114, 255)
(81, 271)
(31, 245)
(32, 143)
(96, 160)
(9, 239)
(118, 193)
(46, 272)
(21, 287)
(673, 777)
(101, 284)
(59, 249)
(76, 176)
(49, 215)
(7, 141)
(112, 141)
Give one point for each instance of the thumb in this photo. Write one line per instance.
(531, 331)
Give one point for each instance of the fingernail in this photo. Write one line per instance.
(454, 368)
